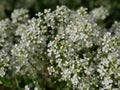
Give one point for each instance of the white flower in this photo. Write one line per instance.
(19, 15)
(35, 88)
(27, 87)
(107, 82)
(2, 72)
(100, 13)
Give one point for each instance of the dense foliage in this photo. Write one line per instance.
(62, 49)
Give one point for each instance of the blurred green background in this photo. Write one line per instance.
(34, 6)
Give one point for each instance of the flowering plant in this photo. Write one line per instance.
(61, 49)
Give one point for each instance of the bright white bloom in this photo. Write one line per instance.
(19, 15)
(107, 82)
(27, 87)
(100, 13)
(2, 72)
(35, 88)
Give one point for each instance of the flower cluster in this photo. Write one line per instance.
(6, 42)
(100, 13)
(64, 47)
(19, 16)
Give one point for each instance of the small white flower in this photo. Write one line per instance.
(27, 87)
(2, 72)
(35, 88)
